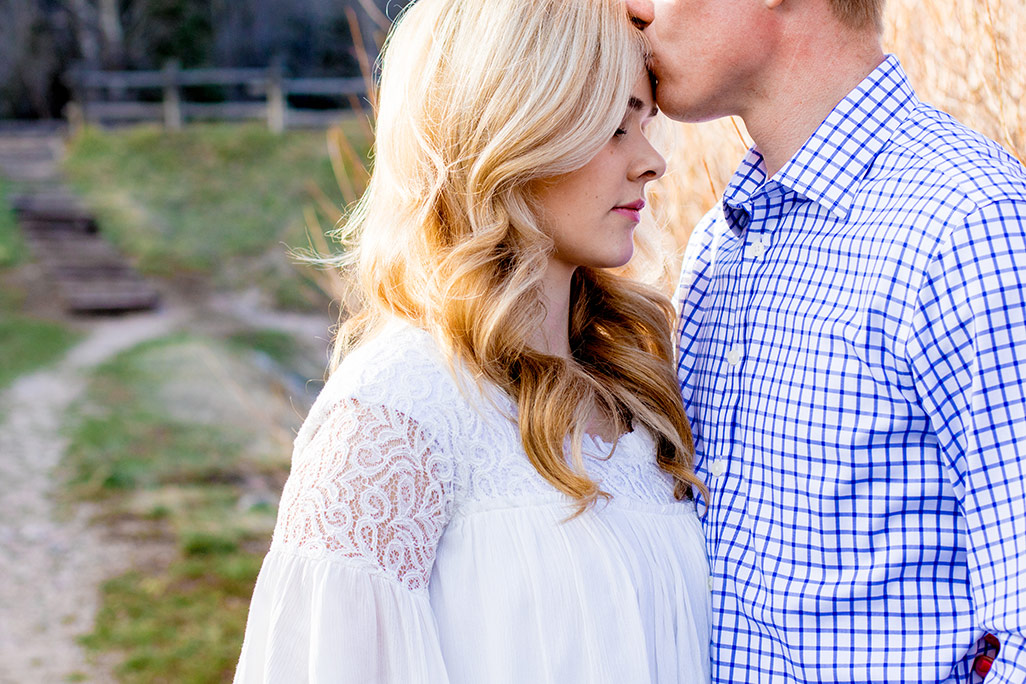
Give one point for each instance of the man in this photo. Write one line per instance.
(852, 345)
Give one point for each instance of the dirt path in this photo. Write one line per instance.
(52, 561)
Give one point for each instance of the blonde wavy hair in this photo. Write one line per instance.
(479, 98)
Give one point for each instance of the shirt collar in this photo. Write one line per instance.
(837, 156)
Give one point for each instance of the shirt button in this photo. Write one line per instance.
(718, 468)
(710, 583)
(734, 356)
(755, 250)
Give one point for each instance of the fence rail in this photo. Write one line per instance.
(114, 96)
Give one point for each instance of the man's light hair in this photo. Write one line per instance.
(859, 14)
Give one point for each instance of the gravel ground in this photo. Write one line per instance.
(53, 560)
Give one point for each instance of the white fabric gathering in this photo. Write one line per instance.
(416, 543)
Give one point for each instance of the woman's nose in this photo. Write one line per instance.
(650, 164)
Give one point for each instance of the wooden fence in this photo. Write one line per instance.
(114, 96)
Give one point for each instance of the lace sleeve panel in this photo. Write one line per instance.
(371, 487)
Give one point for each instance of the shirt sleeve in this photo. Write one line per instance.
(342, 595)
(967, 350)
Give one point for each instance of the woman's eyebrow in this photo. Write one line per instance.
(636, 105)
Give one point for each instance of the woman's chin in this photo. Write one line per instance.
(614, 260)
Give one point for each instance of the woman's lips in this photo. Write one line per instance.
(631, 210)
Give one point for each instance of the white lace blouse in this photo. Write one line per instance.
(415, 544)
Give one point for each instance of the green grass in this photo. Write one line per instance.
(27, 344)
(174, 627)
(199, 199)
(161, 439)
(291, 358)
(279, 346)
(127, 439)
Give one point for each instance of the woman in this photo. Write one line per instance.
(493, 485)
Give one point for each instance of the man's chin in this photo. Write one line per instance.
(669, 102)
(673, 109)
(685, 110)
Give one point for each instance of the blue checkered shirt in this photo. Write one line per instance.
(852, 355)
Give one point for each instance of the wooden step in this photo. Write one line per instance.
(49, 208)
(76, 247)
(107, 297)
(89, 275)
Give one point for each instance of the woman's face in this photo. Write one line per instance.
(591, 213)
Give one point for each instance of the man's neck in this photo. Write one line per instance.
(808, 83)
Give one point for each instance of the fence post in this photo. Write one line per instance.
(275, 96)
(75, 111)
(172, 96)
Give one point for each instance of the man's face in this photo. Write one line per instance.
(707, 54)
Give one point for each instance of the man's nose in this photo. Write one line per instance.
(641, 12)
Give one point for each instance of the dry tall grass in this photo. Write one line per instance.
(967, 57)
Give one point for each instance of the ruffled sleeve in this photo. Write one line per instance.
(342, 595)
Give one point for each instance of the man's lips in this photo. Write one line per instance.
(652, 66)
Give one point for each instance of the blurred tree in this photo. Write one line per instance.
(37, 42)
(158, 30)
(41, 39)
